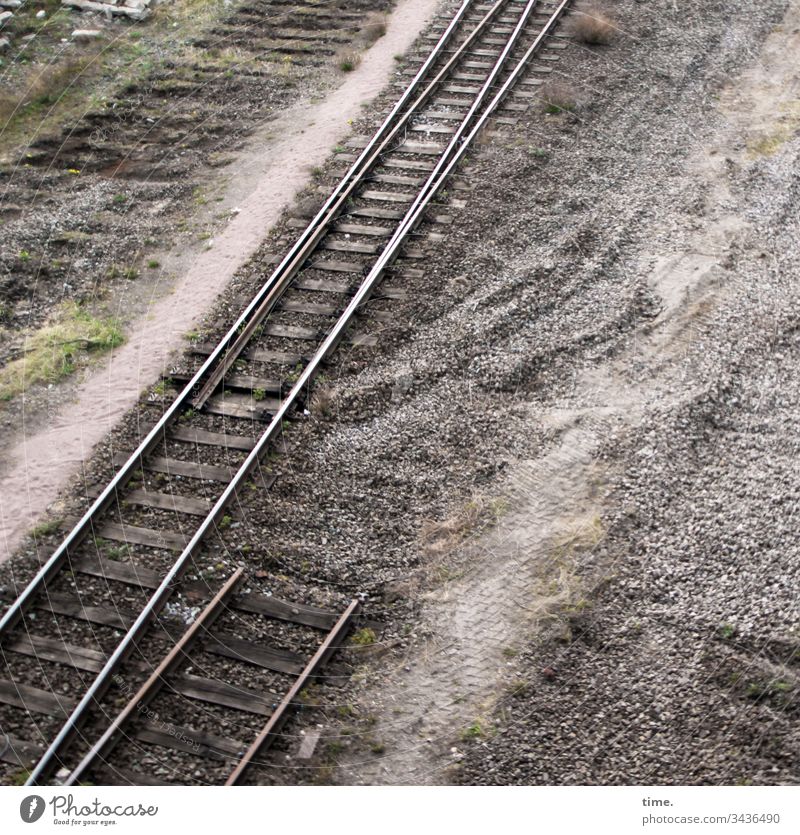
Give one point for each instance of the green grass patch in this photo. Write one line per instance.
(19, 778)
(473, 731)
(46, 528)
(59, 349)
(364, 637)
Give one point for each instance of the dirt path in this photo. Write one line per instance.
(447, 687)
(264, 179)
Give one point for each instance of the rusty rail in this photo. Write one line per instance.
(148, 691)
(281, 714)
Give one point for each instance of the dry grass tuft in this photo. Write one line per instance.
(579, 534)
(560, 596)
(321, 401)
(348, 61)
(443, 536)
(592, 25)
(562, 593)
(373, 29)
(558, 97)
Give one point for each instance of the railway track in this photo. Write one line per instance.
(124, 606)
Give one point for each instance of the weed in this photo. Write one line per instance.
(440, 537)
(323, 775)
(19, 778)
(309, 695)
(118, 552)
(592, 25)
(519, 687)
(726, 631)
(767, 688)
(224, 522)
(119, 199)
(46, 528)
(44, 88)
(259, 394)
(509, 652)
(72, 236)
(374, 29)
(558, 97)
(377, 747)
(349, 61)
(539, 153)
(24, 255)
(364, 637)
(152, 264)
(334, 748)
(473, 731)
(321, 400)
(58, 349)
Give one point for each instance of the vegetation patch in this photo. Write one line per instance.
(592, 25)
(58, 349)
(558, 97)
(443, 536)
(348, 61)
(46, 528)
(364, 637)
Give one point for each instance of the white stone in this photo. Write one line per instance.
(41, 14)
(86, 34)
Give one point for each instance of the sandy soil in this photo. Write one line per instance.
(263, 180)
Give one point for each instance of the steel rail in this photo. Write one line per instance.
(297, 257)
(458, 137)
(83, 526)
(161, 594)
(274, 723)
(148, 691)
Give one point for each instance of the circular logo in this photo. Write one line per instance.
(32, 808)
